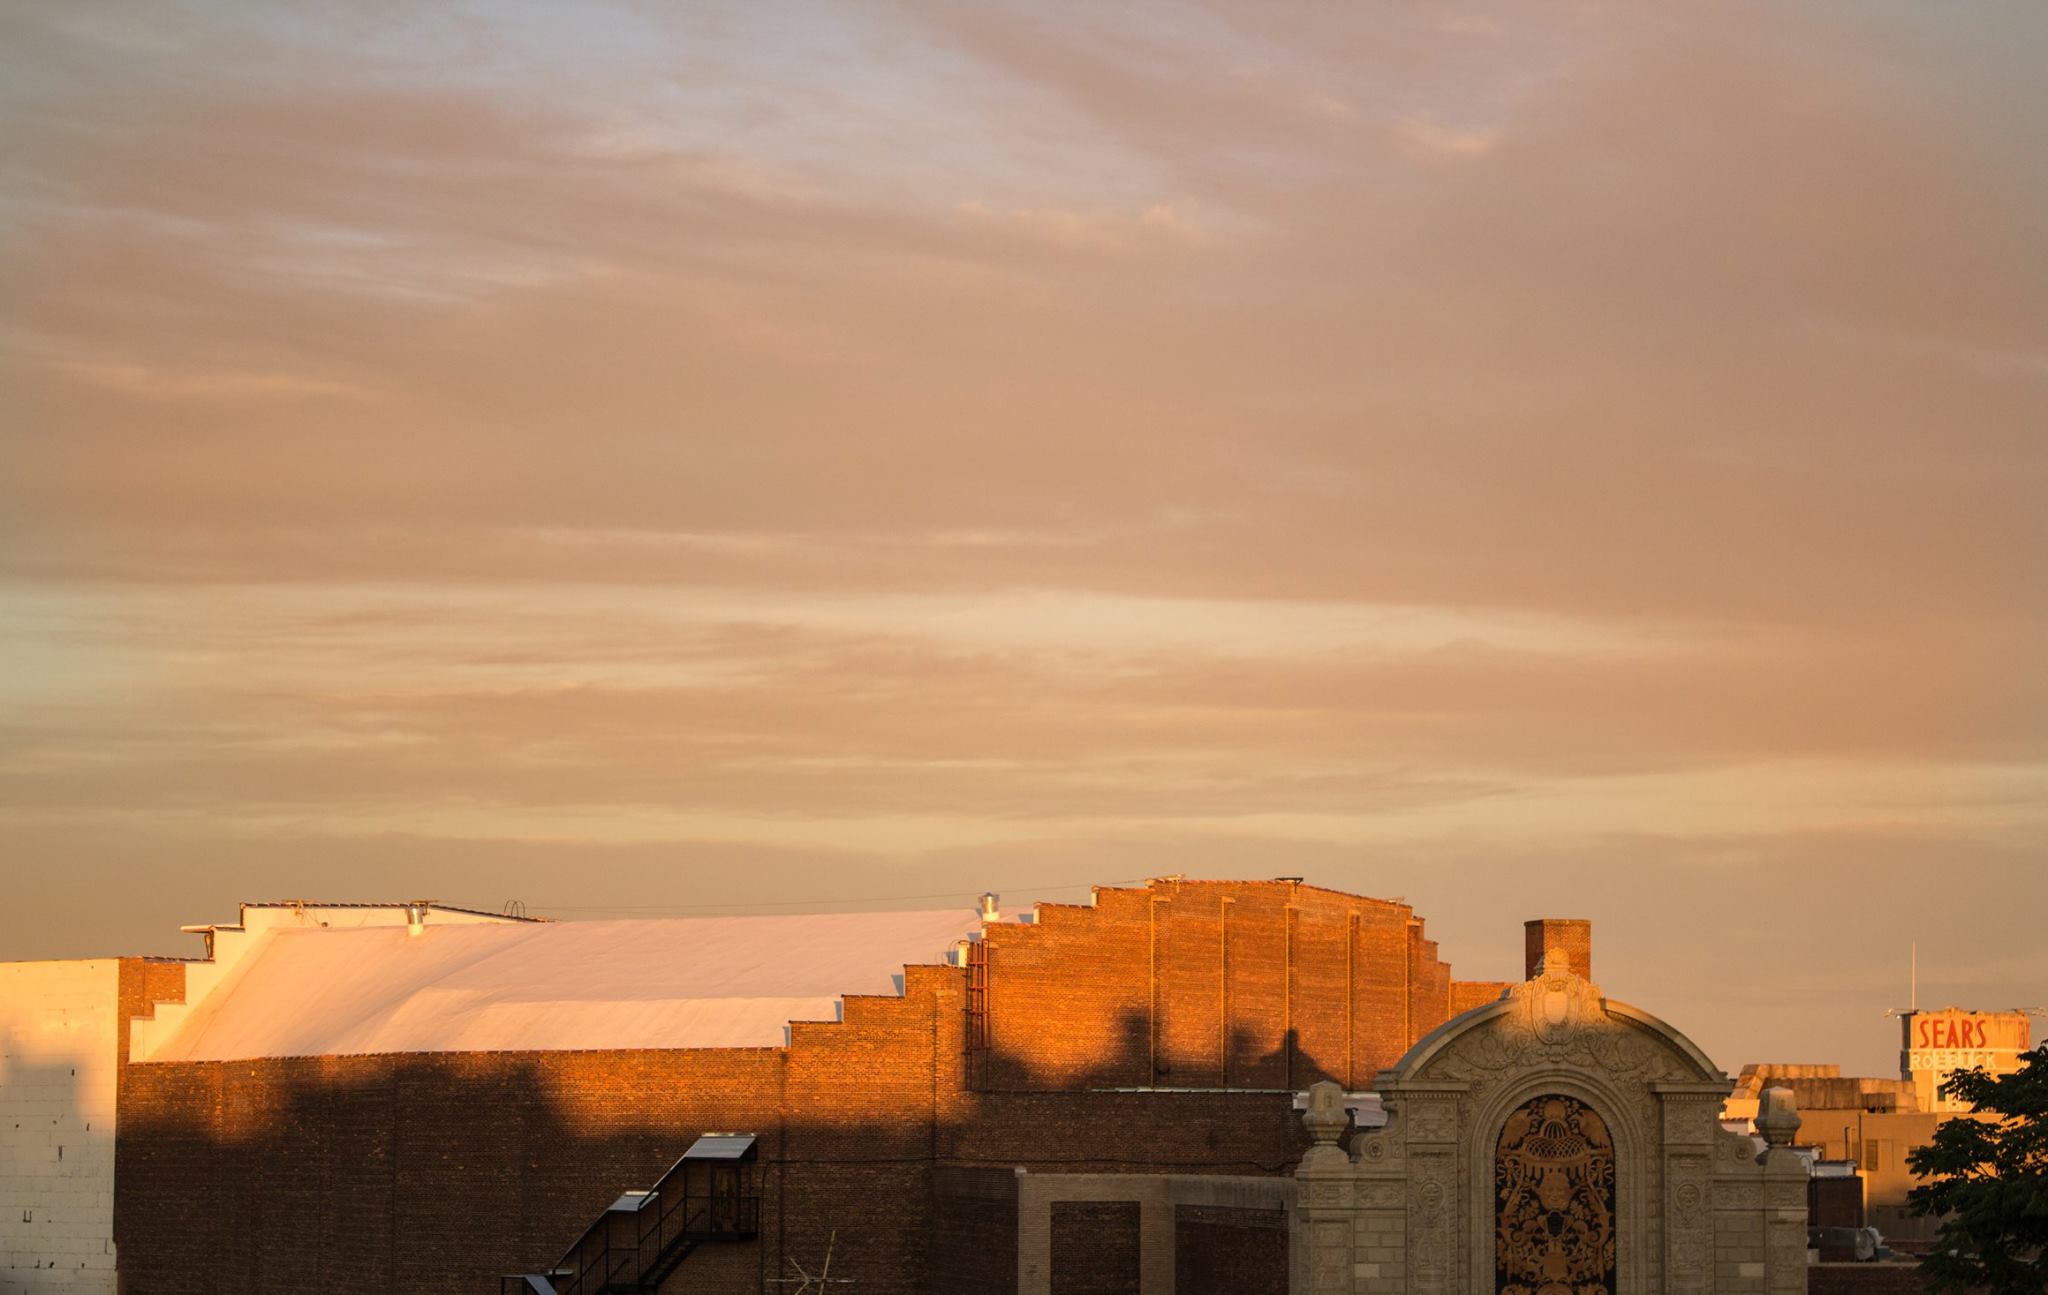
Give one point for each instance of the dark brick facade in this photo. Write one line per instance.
(1866, 1279)
(1224, 1251)
(973, 1237)
(1095, 1248)
(437, 1172)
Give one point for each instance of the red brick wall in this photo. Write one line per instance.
(1429, 986)
(422, 1173)
(1571, 936)
(1224, 1251)
(1468, 994)
(1192, 1133)
(437, 1172)
(1209, 984)
(142, 983)
(1095, 1248)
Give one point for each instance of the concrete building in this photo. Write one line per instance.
(1874, 1123)
(67, 1029)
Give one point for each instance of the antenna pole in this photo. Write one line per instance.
(1915, 999)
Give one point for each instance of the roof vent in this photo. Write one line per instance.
(991, 910)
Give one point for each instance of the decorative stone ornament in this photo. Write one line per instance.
(1326, 1120)
(1553, 1142)
(1777, 1118)
(1554, 1208)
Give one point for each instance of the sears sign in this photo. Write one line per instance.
(1940, 1043)
(1950, 1030)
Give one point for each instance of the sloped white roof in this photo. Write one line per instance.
(695, 982)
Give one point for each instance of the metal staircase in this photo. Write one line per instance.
(644, 1236)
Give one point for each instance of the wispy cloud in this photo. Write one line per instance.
(164, 383)
(926, 441)
(1090, 230)
(1430, 138)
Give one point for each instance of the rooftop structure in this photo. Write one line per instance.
(447, 1096)
(694, 982)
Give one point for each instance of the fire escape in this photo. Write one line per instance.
(707, 1196)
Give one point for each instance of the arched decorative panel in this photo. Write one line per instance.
(1553, 1179)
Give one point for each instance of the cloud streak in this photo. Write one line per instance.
(932, 441)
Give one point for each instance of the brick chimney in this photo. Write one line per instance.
(1571, 936)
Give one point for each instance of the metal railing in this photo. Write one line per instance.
(632, 1250)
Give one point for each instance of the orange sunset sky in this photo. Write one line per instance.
(1569, 459)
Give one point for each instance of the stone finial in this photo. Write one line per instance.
(1326, 1117)
(1777, 1117)
(1556, 962)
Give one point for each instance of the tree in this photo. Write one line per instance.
(1987, 1180)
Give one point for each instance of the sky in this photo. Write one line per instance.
(1555, 458)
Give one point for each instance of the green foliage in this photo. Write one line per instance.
(1987, 1179)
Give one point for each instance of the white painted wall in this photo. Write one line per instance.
(59, 1044)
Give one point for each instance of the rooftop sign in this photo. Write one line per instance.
(1937, 1044)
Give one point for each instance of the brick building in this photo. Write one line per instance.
(65, 1039)
(1872, 1124)
(428, 1108)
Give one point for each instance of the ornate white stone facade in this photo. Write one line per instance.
(1411, 1207)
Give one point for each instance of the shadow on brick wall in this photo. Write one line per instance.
(438, 1172)
(1130, 1056)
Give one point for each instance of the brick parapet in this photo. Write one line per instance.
(1209, 984)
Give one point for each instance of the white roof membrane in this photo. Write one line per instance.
(693, 982)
